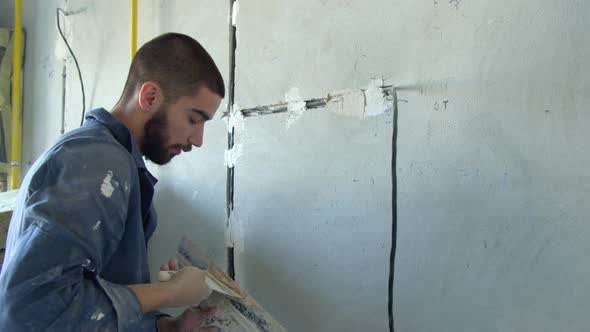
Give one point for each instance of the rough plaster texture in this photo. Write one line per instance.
(493, 160)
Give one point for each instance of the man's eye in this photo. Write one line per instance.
(192, 121)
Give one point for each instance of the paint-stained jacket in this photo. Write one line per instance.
(78, 235)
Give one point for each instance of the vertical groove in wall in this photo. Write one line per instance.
(393, 212)
(230, 136)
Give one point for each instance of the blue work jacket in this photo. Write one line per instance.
(78, 235)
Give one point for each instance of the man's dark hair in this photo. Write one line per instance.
(178, 63)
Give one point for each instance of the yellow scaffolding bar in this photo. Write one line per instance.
(15, 166)
(133, 28)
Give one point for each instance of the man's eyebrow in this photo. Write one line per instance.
(201, 113)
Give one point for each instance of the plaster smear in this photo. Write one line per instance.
(107, 187)
(375, 103)
(232, 155)
(235, 119)
(234, 233)
(295, 107)
(347, 103)
(359, 103)
(235, 11)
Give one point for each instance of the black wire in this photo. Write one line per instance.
(393, 213)
(75, 60)
(231, 266)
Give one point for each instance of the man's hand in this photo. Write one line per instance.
(187, 287)
(188, 321)
(191, 318)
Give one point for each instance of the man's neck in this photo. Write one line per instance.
(125, 113)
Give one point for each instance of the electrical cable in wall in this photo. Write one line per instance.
(57, 11)
(231, 136)
(393, 212)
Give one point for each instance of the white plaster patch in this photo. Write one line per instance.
(375, 103)
(195, 193)
(235, 119)
(347, 103)
(295, 107)
(97, 316)
(96, 226)
(235, 11)
(234, 233)
(107, 187)
(232, 155)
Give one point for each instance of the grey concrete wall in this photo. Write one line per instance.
(7, 14)
(493, 151)
(493, 192)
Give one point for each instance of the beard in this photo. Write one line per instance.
(156, 137)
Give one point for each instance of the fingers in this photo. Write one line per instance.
(193, 317)
(188, 286)
(171, 265)
(206, 313)
(199, 314)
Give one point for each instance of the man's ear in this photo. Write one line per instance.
(150, 96)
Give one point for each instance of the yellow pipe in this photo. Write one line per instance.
(133, 28)
(15, 166)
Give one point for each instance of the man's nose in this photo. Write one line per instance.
(197, 138)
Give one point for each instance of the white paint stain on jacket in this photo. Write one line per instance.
(107, 187)
(96, 226)
(97, 316)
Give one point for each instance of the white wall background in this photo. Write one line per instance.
(493, 154)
